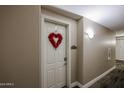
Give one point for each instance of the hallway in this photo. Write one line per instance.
(56, 46)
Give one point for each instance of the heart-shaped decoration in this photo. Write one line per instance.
(55, 39)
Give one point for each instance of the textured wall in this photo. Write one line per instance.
(19, 45)
(119, 45)
(95, 51)
(80, 50)
(120, 33)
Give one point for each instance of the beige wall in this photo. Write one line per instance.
(95, 51)
(19, 26)
(120, 33)
(73, 40)
(119, 49)
(80, 50)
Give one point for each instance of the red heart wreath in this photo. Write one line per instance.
(52, 37)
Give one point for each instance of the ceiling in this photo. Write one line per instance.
(111, 16)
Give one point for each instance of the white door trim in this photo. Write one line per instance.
(42, 45)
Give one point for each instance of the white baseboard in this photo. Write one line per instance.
(74, 84)
(79, 85)
(90, 83)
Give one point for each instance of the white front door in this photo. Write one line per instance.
(55, 65)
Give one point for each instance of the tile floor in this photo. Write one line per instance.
(114, 79)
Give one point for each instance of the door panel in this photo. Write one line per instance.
(61, 80)
(55, 65)
(51, 77)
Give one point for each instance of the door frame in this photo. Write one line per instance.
(42, 47)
